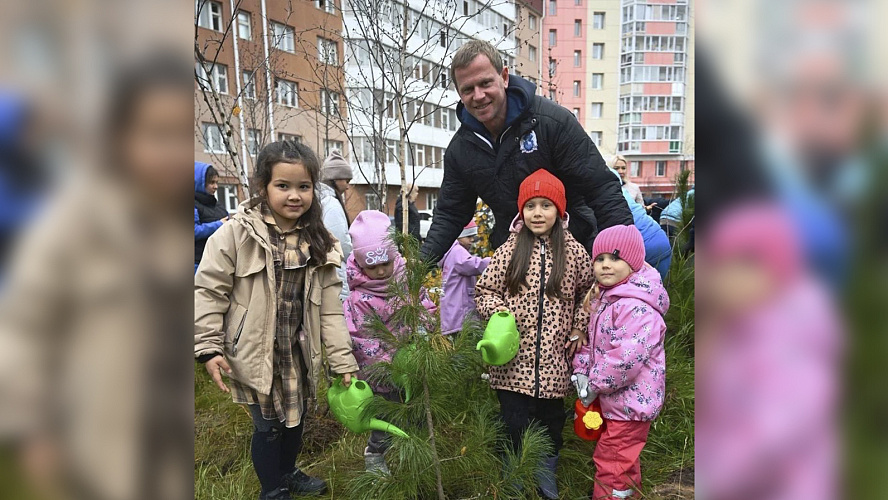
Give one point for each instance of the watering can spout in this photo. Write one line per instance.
(487, 349)
(378, 425)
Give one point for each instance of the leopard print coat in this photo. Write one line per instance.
(541, 369)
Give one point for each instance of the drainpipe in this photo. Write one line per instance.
(240, 103)
(267, 71)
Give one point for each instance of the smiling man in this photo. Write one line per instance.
(508, 133)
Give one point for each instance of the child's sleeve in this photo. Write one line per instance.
(334, 332)
(621, 362)
(467, 264)
(491, 287)
(584, 283)
(206, 229)
(582, 359)
(213, 282)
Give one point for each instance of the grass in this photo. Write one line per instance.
(223, 471)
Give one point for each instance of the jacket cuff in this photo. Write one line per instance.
(203, 358)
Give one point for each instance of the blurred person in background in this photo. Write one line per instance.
(91, 400)
(769, 360)
(209, 214)
(619, 165)
(335, 175)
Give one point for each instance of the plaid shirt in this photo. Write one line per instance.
(288, 389)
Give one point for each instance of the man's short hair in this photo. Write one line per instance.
(468, 52)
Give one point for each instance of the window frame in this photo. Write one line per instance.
(596, 16)
(657, 172)
(240, 24)
(278, 83)
(205, 128)
(206, 18)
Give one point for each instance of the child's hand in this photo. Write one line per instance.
(577, 339)
(215, 367)
(347, 379)
(501, 309)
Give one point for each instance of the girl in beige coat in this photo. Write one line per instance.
(266, 299)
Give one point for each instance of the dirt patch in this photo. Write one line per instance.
(680, 486)
(321, 431)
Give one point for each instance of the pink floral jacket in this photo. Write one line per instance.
(626, 363)
(369, 296)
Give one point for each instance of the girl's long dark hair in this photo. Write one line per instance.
(516, 272)
(312, 220)
(339, 197)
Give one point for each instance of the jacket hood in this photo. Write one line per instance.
(325, 191)
(644, 285)
(200, 177)
(359, 282)
(518, 96)
(518, 222)
(444, 258)
(250, 216)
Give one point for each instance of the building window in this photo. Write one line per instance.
(597, 108)
(328, 52)
(227, 194)
(244, 26)
(576, 113)
(216, 78)
(287, 93)
(249, 90)
(552, 8)
(552, 66)
(328, 6)
(210, 15)
(576, 88)
(682, 165)
(289, 137)
(253, 141)
(597, 81)
(578, 58)
(578, 2)
(532, 22)
(598, 20)
(634, 168)
(597, 51)
(372, 200)
(212, 135)
(331, 146)
(661, 168)
(329, 103)
(578, 27)
(283, 37)
(431, 201)
(552, 94)
(531, 52)
(596, 137)
(553, 37)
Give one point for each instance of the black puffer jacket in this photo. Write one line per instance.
(538, 134)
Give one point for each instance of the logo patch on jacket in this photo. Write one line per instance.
(529, 142)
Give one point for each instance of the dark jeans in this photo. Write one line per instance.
(380, 441)
(518, 411)
(274, 448)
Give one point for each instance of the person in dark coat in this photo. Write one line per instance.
(412, 214)
(209, 215)
(508, 133)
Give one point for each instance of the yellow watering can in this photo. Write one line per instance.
(500, 341)
(347, 405)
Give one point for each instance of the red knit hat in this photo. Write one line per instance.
(545, 185)
(625, 242)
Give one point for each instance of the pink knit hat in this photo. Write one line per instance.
(471, 229)
(370, 239)
(625, 242)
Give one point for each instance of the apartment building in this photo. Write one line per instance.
(276, 69)
(529, 42)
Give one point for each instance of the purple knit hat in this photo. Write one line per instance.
(625, 242)
(370, 239)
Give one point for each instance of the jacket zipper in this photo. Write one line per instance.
(539, 337)
(240, 330)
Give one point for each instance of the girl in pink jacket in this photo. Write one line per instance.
(460, 271)
(373, 263)
(624, 364)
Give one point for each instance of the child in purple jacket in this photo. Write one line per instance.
(624, 363)
(374, 261)
(460, 271)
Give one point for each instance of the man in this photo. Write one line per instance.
(508, 133)
(412, 213)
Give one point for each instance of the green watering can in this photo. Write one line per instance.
(500, 341)
(347, 405)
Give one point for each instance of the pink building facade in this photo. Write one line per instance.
(565, 53)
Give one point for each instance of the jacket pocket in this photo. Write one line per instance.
(236, 327)
(248, 263)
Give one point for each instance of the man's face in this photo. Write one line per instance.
(483, 91)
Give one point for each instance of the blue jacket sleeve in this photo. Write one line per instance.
(203, 231)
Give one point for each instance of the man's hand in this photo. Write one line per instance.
(347, 379)
(577, 339)
(215, 367)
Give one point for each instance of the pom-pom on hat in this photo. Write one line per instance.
(471, 229)
(336, 167)
(625, 242)
(370, 239)
(544, 185)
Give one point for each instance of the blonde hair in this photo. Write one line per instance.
(468, 52)
(615, 159)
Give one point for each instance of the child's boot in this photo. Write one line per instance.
(300, 483)
(375, 462)
(548, 485)
(277, 494)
